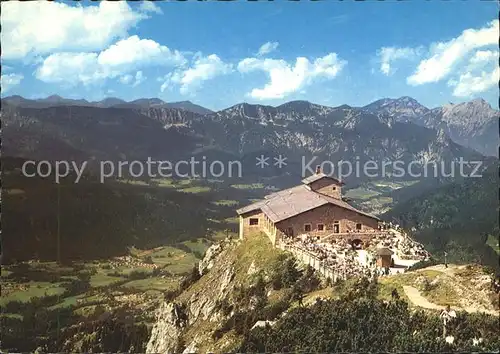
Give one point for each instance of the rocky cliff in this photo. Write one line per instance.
(243, 284)
(473, 124)
(187, 323)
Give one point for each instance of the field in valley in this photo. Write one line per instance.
(375, 197)
(78, 290)
(142, 276)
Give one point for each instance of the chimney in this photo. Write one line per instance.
(318, 169)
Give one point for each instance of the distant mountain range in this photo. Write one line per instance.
(389, 129)
(473, 124)
(55, 100)
(85, 133)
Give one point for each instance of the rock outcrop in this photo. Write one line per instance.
(165, 336)
(208, 260)
(196, 305)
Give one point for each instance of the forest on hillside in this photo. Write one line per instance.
(359, 322)
(457, 218)
(89, 220)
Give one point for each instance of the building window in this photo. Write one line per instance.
(358, 226)
(307, 227)
(334, 188)
(336, 227)
(321, 227)
(254, 221)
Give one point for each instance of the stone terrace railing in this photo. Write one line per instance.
(310, 259)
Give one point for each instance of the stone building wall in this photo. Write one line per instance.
(264, 224)
(327, 215)
(327, 187)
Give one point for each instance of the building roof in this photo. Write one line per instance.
(384, 252)
(318, 176)
(290, 202)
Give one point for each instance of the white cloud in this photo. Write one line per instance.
(469, 84)
(480, 74)
(126, 79)
(445, 55)
(286, 79)
(267, 48)
(150, 6)
(71, 68)
(41, 27)
(139, 78)
(482, 57)
(118, 60)
(387, 55)
(192, 78)
(166, 81)
(134, 51)
(136, 80)
(8, 81)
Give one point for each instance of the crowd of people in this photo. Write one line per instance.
(342, 258)
(338, 255)
(402, 243)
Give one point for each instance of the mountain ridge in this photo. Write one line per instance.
(380, 103)
(108, 102)
(296, 129)
(473, 124)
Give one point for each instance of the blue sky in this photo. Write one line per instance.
(327, 52)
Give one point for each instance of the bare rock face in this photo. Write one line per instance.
(210, 255)
(199, 303)
(472, 124)
(203, 302)
(191, 348)
(165, 336)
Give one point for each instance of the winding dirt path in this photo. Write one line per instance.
(417, 299)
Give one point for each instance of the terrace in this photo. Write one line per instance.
(339, 256)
